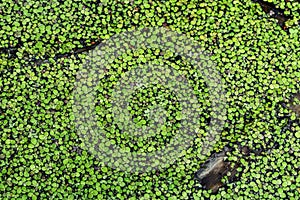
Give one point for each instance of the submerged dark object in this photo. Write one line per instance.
(212, 172)
(216, 167)
(295, 104)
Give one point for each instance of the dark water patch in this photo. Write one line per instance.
(274, 12)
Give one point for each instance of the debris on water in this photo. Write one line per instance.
(212, 172)
(295, 104)
(217, 167)
(274, 12)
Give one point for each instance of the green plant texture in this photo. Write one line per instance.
(43, 44)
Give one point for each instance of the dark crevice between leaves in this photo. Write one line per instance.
(277, 13)
(12, 52)
(74, 52)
